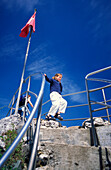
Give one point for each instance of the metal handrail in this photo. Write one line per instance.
(25, 127)
(32, 161)
(25, 82)
(98, 79)
(89, 102)
(28, 91)
(83, 118)
(100, 88)
(98, 71)
(103, 103)
(81, 105)
(64, 95)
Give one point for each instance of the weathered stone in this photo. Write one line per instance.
(42, 156)
(50, 123)
(68, 136)
(70, 157)
(62, 148)
(47, 167)
(98, 121)
(17, 165)
(104, 135)
(8, 123)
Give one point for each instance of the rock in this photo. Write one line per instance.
(2, 149)
(17, 165)
(2, 144)
(50, 124)
(97, 122)
(47, 167)
(8, 123)
(43, 156)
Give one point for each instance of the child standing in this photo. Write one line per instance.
(22, 107)
(58, 103)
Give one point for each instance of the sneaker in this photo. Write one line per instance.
(58, 116)
(27, 114)
(49, 118)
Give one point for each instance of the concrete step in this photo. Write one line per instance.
(70, 157)
(70, 136)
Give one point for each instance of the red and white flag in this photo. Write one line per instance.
(25, 29)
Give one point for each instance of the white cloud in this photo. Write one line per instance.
(70, 87)
(4, 101)
(42, 62)
(45, 65)
(9, 47)
(28, 5)
(52, 65)
(99, 17)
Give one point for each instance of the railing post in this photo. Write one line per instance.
(32, 161)
(90, 111)
(103, 92)
(93, 128)
(28, 87)
(25, 127)
(12, 104)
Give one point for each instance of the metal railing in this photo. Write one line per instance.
(96, 102)
(14, 99)
(81, 105)
(104, 104)
(37, 106)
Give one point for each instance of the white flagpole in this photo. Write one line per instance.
(22, 77)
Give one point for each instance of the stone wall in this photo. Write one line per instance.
(104, 135)
(8, 123)
(62, 148)
(69, 149)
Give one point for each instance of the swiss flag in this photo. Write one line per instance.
(25, 29)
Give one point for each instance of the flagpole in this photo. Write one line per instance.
(22, 77)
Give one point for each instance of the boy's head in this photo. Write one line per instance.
(29, 96)
(58, 77)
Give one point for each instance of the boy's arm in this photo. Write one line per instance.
(28, 100)
(30, 103)
(48, 79)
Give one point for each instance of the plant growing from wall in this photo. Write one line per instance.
(17, 154)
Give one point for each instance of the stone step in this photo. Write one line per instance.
(70, 136)
(70, 157)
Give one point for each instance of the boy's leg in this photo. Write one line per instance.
(63, 105)
(62, 108)
(55, 103)
(23, 112)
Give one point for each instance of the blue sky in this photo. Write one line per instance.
(72, 37)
